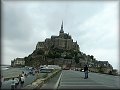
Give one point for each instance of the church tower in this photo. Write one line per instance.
(61, 30)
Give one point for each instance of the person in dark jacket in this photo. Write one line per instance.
(86, 71)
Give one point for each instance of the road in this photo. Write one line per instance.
(28, 80)
(70, 79)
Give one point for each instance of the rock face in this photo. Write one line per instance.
(61, 50)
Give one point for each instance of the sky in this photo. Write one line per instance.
(93, 24)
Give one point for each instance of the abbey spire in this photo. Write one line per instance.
(61, 30)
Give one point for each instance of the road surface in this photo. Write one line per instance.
(70, 79)
(28, 80)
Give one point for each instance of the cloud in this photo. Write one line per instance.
(102, 27)
(93, 25)
(100, 35)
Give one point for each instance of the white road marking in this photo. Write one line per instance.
(87, 85)
(96, 84)
(77, 82)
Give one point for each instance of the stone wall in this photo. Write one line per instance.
(103, 70)
(39, 82)
(62, 62)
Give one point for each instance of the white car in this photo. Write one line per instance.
(82, 70)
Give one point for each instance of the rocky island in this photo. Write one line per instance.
(61, 50)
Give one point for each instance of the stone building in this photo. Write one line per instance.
(18, 62)
(63, 41)
(40, 45)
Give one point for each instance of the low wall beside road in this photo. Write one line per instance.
(39, 82)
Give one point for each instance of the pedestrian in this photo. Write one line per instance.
(12, 84)
(86, 71)
(1, 80)
(23, 74)
(16, 82)
(19, 77)
(33, 72)
(22, 80)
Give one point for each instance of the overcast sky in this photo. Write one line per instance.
(93, 24)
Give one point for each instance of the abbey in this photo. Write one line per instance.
(61, 50)
(63, 41)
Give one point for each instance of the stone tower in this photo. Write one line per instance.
(61, 30)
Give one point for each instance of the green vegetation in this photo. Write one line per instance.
(76, 59)
(39, 56)
(68, 57)
(100, 69)
(29, 61)
(53, 54)
(44, 76)
(38, 52)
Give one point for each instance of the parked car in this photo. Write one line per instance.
(66, 68)
(46, 70)
(82, 70)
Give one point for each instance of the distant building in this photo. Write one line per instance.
(18, 62)
(104, 64)
(63, 41)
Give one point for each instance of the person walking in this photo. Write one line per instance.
(16, 83)
(12, 84)
(19, 77)
(23, 74)
(22, 81)
(86, 71)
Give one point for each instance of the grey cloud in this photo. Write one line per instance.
(16, 24)
(26, 24)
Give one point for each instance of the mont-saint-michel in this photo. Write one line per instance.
(59, 60)
(61, 50)
(48, 44)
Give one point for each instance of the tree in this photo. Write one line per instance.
(57, 55)
(50, 54)
(92, 57)
(101, 69)
(68, 57)
(75, 53)
(40, 52)
(76, 59)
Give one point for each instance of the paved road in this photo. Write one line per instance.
(70, 79)
(53, 83)
(28, 80)
(75, 80)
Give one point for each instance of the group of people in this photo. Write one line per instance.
(16, 81)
